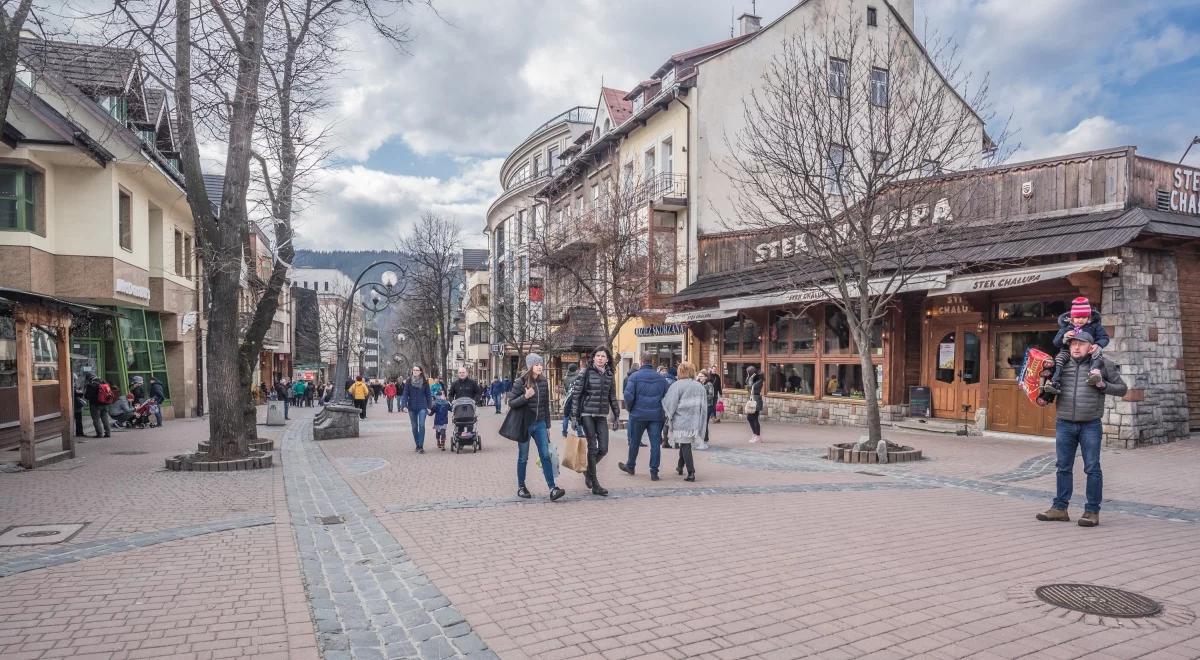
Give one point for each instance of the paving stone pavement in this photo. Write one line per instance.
(1031, 469)
(639, 493)
(57, 555)
(369, 600)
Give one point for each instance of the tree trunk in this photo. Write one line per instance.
(870, 387)
(10, 32)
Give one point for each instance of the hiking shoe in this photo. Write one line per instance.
(625, 468)
(597, 489)
(1054, 515)
(1090, 519)
(653, 476)
(556, 494)
(523, 493)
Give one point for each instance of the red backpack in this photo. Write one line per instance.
(105, 394)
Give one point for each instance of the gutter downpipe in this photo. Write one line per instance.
(691, 220)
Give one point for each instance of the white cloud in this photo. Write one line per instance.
(1089, 134)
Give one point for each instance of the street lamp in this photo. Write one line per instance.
(383, 294)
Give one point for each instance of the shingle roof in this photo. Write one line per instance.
(156, 100)
(86, 66)
(618, 108)
(976, 244)
(582, 331)
(473, 259)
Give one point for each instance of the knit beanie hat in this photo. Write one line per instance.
(1081, 308)
(532, 359)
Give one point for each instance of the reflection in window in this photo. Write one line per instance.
(751, 342)
(733, 337)
(735, 377)
(1050, 309)
(846, 380)
(971, 354)
(45, 355)
(792, 332)
(791, 378)
(1011, 348)
(837, 331)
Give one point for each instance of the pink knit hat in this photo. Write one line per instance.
(1081, 308)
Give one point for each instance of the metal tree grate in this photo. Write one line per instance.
(1101, 601)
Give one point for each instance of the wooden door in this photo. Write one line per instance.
(956, 363)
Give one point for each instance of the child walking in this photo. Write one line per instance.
(441, 418)
(1081, 318)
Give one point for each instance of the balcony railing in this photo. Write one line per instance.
(580, 114)
(667, 186)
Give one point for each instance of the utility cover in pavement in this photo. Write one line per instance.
(331, 520)
(38, 534)
(1101, 601)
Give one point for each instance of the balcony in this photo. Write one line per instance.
(580, 114)
(667, 192)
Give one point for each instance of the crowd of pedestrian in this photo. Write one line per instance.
(109, 409)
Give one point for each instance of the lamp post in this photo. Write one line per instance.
(383, 294)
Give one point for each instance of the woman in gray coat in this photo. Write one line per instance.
(686, 408)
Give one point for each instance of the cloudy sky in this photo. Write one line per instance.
(428, 129)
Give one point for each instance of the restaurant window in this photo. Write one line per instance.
(1011, 348)
(846, 380)
(21, 200)
(734, 377)
(837, 331)
(792, 332)
(143, 350)
(665, 354)
(1035, 310)
(791, 378)
(125, 219)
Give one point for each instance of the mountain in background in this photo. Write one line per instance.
(350, 262)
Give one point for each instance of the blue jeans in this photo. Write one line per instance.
(416, 417)
(541, 436)
(498, 399)
(285, 407)
(636, 429)
(1085, 436)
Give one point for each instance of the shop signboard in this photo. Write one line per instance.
(660, 330)
(920, 402)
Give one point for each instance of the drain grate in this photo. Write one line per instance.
(42, 533)
(130, 453)
(331, 520)
(1101, 601)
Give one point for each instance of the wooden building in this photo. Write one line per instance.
(1121, 229)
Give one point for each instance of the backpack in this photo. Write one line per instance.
(105, 394)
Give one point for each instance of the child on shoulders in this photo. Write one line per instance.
(1081, 318)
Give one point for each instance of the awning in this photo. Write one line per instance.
(1007, 279)
(714, 314)
(878, 286)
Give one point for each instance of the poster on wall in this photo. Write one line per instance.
(946, 355)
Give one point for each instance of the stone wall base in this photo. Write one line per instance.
(805, 411)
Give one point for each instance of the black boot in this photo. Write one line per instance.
(523, 493)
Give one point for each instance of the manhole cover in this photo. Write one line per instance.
(331, 520)
(39, 534)
(1101, 601)
(129, 453)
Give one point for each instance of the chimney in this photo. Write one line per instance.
(748, 23)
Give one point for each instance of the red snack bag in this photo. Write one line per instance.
(1030, 377)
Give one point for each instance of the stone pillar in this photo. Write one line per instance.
(1141, 312)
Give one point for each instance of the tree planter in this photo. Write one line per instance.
(846, 453)
(199, 462)
(259, 445)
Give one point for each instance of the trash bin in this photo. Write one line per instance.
(275, 413)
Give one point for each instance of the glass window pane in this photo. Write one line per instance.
(45, 355)
(945, 358)
(1011, 348)
(733, 337)
(137, 357)
(837, 331)
(791, 378)
(153, 328)
(157, 356)
(666, 354)
(778, 326)
(877, 338)
(971, 366)
(9, 219)
(735, 375)
(9, 183)
(751, 343)
(844, 380)
(133, 324)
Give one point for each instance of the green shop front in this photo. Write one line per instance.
(118, 348)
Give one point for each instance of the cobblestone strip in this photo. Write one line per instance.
(369, 599)
(67, 554)
(492, 503)
(1140, 509)
(1031, 469)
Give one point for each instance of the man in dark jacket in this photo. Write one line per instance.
(1080, 407)
(464, 387)
(644, 393)
(159, 395)
(714, 377)
(497, 393)
(99, 409)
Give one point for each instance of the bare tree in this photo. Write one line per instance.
(837, 138)
(433, 251)
(13, 15)
(599, 256)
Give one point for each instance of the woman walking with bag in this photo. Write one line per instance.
(417, 398)
(594, 396)
(711, 412)
(529, 417)
(754, 405)
(686, 407)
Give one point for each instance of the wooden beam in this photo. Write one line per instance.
(66, 394)
(25, 389)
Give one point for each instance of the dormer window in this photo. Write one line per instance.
(872, 17)
(607, 125)
(668, 79)
(117, 106)
(639, 101)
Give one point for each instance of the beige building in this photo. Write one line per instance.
(275, 359)
(333, 288)
(93, 210)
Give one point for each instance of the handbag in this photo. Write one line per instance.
(514, 427)
(575, 453)
(751, 407)
(720, 406)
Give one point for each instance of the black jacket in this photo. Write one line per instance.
(594, 393)
(537, 408)
(1081, 402)
(464, 388)
(715, 379)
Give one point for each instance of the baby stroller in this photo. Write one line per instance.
(465, 419)
(142, 413)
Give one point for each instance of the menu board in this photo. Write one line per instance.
(920, 402)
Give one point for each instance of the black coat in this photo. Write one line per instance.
(594, 393)
(537, 408)
(464, 388)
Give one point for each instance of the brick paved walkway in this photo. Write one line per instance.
(772, 552)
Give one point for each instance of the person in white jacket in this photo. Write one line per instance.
(686, 408)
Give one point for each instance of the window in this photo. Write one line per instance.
(552, 159)
(791, 332)
(179, 252)
(520, 225)
(668, 156)
(735, 377)
(500, 241)
(607, 124)
(833, 168)
(791, 378)
(187, 255)
(837, 331)
(872, 17)
(879, 87)
(846, 380)
(742, 337)
(1047, 310)
(125, 219)
(666, 354)
(595, 195)
(930, 168)
(326, 286)
(537, 166)
(837, 77)
(648, 169)
(627, 175)
(664, 257)
(21, 200)
(8, 352)
(668, 79)
(117, 106)
(143, 351)
(45, 355)
(1012, 346)
(479, 333)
